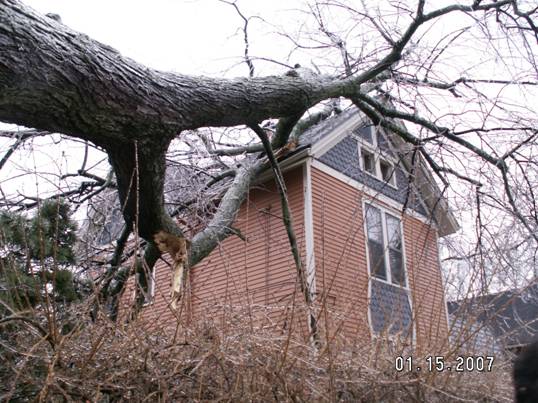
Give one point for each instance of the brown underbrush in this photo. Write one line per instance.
(231, 359)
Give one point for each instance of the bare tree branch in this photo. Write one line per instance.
(288, 224)
(246, 20)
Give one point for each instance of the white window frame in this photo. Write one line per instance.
(149, 297)
(373, 148)
(361, 159)
(384, 211)
(392, 179)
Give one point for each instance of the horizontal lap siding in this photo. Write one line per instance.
(260, 271)
(427, 291)
(341, 264)
(341, 272)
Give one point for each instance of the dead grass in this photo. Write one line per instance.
(139, 361)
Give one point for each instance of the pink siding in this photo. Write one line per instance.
(341, 264)
(427, 291)
(258, 271)
(261, 271)
(341, 272)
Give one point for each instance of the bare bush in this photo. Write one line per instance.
(231, 360)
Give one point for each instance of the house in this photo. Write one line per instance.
(368, 232)
(497, 323)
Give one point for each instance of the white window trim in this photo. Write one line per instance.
(392, 180)
(361, 161)
(150, 296)
(378, 156)
(388, 269)
(309, 228)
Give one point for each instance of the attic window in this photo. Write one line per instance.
(374, 164)
(368, 161)
(387, 171)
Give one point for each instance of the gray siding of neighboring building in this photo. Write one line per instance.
(474, 337)
(496, 322)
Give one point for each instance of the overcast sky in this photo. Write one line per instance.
(187, 36)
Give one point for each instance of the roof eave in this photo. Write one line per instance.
(290, 161)
(437, 204)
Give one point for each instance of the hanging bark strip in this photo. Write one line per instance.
(178, 247)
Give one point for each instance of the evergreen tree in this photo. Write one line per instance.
(35, 255)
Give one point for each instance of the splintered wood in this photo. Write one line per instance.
(178, 248)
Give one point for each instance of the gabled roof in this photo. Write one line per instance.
(511, 315)
(337, 126)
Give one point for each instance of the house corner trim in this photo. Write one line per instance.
(309, 228)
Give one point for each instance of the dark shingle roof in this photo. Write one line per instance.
(325, 127)
(512, 315)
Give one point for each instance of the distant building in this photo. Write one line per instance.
(496, 323)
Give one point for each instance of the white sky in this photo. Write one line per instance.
(189, 36)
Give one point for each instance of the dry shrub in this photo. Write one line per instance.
(233, 359)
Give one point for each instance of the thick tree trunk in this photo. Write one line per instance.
(140, 172)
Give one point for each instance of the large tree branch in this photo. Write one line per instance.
(220, 225)
(54, 78)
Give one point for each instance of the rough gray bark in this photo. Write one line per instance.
(91, 91)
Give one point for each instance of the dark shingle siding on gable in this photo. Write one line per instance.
(344, 158)
(474, 337)
(390, 309)
(365, 133)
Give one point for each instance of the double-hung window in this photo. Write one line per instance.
(390, 310)
(385, 246)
